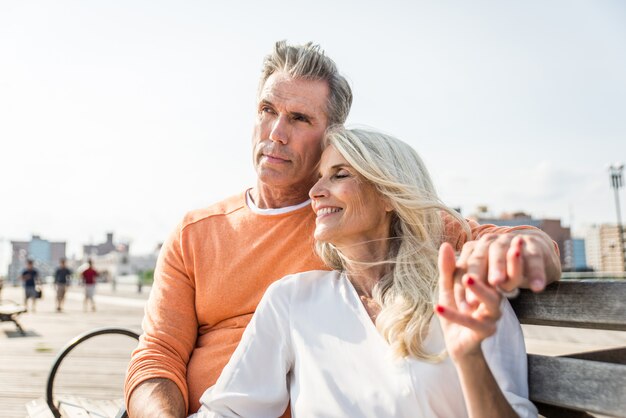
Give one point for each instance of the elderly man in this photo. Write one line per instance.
(217, 264)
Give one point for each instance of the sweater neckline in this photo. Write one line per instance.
(273, 211)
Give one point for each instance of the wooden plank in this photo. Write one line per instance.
(551, 411)
(613, 355)
(12, 310)
(77, 406)
(38, 408)
(583, 385)
(70, 407)
(597, 304)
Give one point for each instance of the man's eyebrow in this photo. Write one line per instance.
(309, 117)
(302, 115)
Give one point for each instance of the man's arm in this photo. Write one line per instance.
(156, 397)
(158, 367)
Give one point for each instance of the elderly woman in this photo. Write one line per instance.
(363, 340)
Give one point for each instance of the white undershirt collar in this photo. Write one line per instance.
(273, 211)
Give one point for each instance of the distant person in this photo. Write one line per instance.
(89, 279)
(61, 281)
(30, 278)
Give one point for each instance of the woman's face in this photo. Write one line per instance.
(349, 209)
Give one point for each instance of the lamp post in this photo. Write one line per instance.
(616, 183)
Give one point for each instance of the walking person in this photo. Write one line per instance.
(61, 281)
(89, 279)
(30, 278)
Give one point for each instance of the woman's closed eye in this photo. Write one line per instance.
(341, 174)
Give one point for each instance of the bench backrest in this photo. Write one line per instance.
(568, 386)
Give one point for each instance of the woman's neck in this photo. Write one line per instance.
(362, 268)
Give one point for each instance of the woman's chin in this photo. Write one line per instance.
(324, 236)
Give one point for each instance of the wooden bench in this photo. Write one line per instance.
(9, 311)
(582, 383)
(75, 406)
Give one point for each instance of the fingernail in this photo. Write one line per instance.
(440, 309)
(517, 253)
(470, 281)
(536, 284)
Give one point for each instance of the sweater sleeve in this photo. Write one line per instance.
(254, 383)
(170, 325)
(505, 353)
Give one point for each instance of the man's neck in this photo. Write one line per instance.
(265, 197)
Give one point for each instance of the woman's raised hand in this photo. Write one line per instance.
(464, 325)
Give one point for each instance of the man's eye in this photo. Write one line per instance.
(300, 118)
(267, 109)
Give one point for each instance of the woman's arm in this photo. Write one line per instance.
(483, 396)
(465, 327)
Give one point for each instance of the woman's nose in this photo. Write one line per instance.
(318, 190)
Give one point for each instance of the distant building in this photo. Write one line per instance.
(552, 227)
(603, 248)
(105, 248)
(44, 253)
(113, 259)
(575, 255)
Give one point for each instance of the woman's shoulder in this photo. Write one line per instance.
(304, 280)
(300, 285)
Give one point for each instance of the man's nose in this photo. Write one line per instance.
(280, 130)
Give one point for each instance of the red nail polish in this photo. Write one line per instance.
(517, 253)
(440, 309)
(470, 281)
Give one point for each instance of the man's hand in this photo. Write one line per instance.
(156, 398)
(508, 261)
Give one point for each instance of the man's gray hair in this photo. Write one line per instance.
(308, 62)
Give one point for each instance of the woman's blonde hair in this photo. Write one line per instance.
(407, 293)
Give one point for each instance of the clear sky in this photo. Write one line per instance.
(123, 115)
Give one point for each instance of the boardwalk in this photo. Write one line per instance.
(26, 360)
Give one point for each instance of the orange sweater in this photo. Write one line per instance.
(210, 276)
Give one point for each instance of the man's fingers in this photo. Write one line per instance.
(478, 261)
(514, 266)
(497, 260)
(534, 265)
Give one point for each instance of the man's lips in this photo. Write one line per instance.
(276, 159)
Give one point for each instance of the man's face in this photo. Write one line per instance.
(290, 124)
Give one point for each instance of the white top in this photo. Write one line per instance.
(273, 211)
(312, 341)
